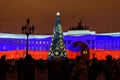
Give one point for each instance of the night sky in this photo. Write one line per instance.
(99, 15)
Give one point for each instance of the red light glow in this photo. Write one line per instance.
(99, 54)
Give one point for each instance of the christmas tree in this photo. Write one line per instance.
(57, 47)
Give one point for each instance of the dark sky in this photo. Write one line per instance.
(100, 15)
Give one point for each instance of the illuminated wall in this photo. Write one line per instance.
(14, 45)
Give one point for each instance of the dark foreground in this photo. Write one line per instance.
(38, 76)
(57, 69)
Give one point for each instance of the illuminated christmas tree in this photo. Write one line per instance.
(57, 47)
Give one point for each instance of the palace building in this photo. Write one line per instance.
(78, 41)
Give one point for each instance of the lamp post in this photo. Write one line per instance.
(27, 29)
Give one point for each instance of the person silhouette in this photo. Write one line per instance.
(3, 68)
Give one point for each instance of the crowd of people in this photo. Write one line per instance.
(65, 69)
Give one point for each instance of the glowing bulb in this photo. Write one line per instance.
(58, 13)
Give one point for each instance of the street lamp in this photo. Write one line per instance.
(27, 29)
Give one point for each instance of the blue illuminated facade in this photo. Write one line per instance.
(42, 42)
(103, 42)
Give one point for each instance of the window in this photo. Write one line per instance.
(43, 42)
(4, 47)
(39, 42)
(36, 42)
(32, 42)
(32, 48)
(40, 48)
(47, 42)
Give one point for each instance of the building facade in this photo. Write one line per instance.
(77, 42)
